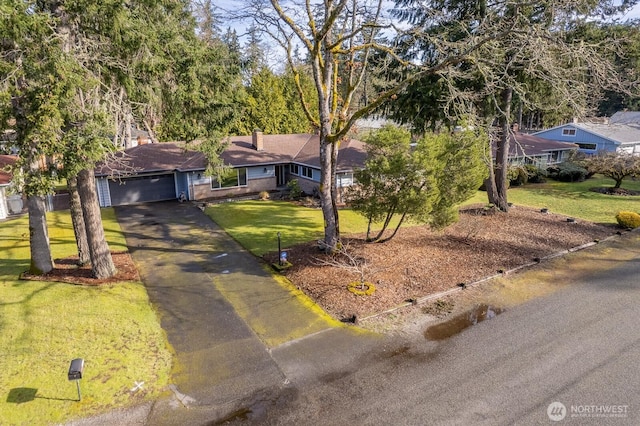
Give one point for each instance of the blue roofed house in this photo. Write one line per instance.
(619, 134)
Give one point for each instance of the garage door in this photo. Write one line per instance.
(142, 189)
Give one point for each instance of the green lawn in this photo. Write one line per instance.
(573, 199)
(255, 224)
(44, 325)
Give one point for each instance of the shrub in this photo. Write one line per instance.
(534, 174)
(628, 219)
(517, 176)
(295, 191)
(567, 172)
(521, 174)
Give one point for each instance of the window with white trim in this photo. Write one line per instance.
(230, 179)
(569, 132)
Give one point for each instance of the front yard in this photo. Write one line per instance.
(44, 325)
(418, 261)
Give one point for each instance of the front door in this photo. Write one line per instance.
(281, 175)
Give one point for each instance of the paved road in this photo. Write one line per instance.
(579, 346)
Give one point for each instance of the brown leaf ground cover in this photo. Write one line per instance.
(67, 270)
(418, 261)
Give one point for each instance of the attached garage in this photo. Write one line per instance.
(142, 189)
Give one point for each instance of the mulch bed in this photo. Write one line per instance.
(419, 261)
(67, 270)
(416, 262)
(614, 191)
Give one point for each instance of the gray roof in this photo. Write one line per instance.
(278, 149)
(620, 133)
(625, 117)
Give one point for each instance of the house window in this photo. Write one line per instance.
(295, 170)
(344, 179)
(229, 179)
(569, 132)
(307, 172)
(589, 146)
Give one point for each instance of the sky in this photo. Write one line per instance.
(236, 5)
(634, 13)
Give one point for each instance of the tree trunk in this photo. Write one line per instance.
(41, 261)
(327, 191)
(501, 178)
(490, 184)
(127, 130)
(77, 219)
(101, 262)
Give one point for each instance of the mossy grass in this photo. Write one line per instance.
(44, 325)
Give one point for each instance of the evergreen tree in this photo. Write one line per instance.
(78, 70)
(424, 182)
(509, 57)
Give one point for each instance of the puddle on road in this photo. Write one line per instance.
(462, 321)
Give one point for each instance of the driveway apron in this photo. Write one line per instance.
(221, 311)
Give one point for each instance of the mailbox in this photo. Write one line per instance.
(75, 369)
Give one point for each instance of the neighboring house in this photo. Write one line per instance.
(7, 204)
(139, 137)
(164, 171)
(594, 137)
(530, 149)
(625, 117)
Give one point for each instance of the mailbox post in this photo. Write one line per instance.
(75, 373)
(279, 251)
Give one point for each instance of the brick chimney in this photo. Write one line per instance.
(257, 141)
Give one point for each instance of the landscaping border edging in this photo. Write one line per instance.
(439, 295)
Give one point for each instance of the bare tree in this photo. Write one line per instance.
(340, 38)
(346, 259)
(614, 165)
(345, 39)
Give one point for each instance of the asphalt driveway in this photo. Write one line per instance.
(236, 332)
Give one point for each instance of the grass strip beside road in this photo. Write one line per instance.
(44, 325)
